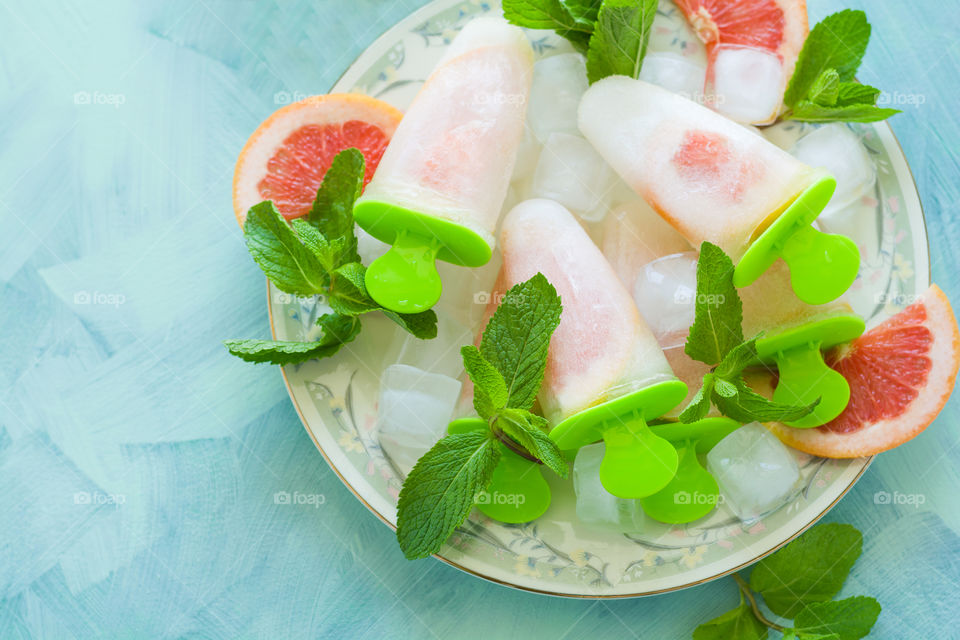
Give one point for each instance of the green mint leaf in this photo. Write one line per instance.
(717, 326)
(849, 93)
(489, 389)
(552, 14)
(421, 325)
(517, 336)
(337, 331)
(748, 406)
(848, 619)
(807, 111)
(348, 291)
(440, 491)
(838, 42)
(724, 389)
(810, 569)
(699, 406)
(291, 266)
(826, 88)
(737, 359)
(736, 624)
(584, 11)
(619, 41)
(332, 210)
(314, 240)
(524, 427)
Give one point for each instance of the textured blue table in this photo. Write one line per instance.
(138, 461)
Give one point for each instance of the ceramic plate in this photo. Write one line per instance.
(337, 398)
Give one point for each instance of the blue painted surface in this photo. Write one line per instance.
(138, 462)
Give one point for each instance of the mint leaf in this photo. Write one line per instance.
(810, 569)
(421, 325)
(849, 93)
(584, 11)
(718, 311)
(348, 291)
(736, 624)
(699, 406)
(332, 210)
(337, 331)
(748, 406)
(517, 336)
(523, 426)
(825, 88)
(737, 359)
(291, 266)
(807, 111)
(489, 389)
(848, 619)
(314, 240)
(724, 389)
(620, 38)
(439, 493)
(552, 14)
(838, 42)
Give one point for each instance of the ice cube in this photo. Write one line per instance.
(756, 472)
(414, 410)
(748, 84)
(441, 354)
(675, 73)
(369, 247)
(836, 148)
(634, 235)
(595, 505)
(465, 295)
(527, 155)
(665, 292)
(571, 172)
(558, 84)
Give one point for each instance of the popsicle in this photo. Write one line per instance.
(441, 184)
(714, 180)
(606, 375)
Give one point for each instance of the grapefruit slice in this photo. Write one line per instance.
(287, 156)
(778, 27)
(901, 373)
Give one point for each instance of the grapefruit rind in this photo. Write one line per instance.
(316, 110)
(888, 433)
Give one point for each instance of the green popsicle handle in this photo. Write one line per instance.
(804, 377)
(690, 495)
(636, 463)
(405, 278)
(822, 265)
(517, 491)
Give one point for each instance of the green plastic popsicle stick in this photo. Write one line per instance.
(691, 494)
(405, 279)
(822, 265)
(637, 463)
(517, 492)
(803, 374)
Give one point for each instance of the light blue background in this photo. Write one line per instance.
(122, 269)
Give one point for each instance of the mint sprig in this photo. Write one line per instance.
(799, 581)
(507, 371)
(612, 34)
(823, 87)
(317, 255)
(716, 339)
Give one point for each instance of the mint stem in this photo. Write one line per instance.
(513, 446)
(745, 588)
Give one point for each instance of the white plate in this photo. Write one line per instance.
(336, 398)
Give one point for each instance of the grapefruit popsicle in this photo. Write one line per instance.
(716, 181)
(605, 375)
(440, 186)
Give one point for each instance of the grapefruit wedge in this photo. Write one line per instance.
(287, 156)
(746, 41)
(901, 373)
